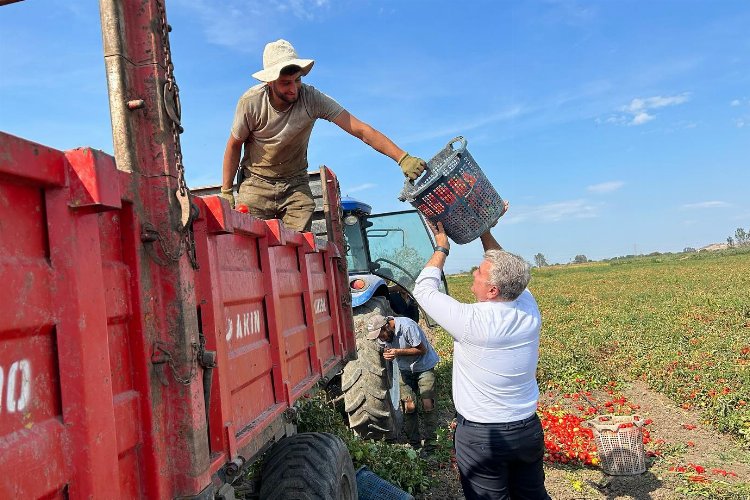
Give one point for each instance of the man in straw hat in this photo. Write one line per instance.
(407, 345)
(273, 122)
(498, 438)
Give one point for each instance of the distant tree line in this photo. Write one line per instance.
(741, 238)
(541, 261)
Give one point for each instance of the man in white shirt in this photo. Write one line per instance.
(499, 439)
(406, 344)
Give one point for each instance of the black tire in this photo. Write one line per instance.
(366, 380)
(309, 466)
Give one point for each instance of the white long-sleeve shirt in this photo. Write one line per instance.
(495, 351)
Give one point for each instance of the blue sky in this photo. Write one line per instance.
(612, 127)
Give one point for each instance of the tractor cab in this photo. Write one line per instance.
(385, 253)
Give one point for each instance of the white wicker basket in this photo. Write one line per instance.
(619, 440)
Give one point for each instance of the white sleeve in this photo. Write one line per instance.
(449, 313)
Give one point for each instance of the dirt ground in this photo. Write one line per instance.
(697, 445)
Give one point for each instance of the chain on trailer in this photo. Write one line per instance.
(188, 210)
(161, 354)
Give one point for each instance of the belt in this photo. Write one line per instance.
(461, 420)
(274, 180)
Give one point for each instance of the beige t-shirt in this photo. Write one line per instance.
(276, 141)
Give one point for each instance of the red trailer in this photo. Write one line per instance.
(152, 342)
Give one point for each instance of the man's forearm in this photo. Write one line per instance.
(437, 260)
(489, 242)
(230, 166)
(381, 143)
(408, 351)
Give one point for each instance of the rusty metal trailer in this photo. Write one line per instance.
(152, 342)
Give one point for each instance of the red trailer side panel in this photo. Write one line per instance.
(96, 398)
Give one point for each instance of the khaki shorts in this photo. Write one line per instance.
(420, 382)
(290, 200)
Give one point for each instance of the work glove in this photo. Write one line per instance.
(411, 166)
(228, 195)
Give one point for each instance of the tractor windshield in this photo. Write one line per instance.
(400, 245)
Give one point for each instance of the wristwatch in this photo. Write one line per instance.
(442, 249)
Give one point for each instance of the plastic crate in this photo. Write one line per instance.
(370, 486)
(619, 440)
(454, 190)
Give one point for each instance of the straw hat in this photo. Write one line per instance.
(277, 56)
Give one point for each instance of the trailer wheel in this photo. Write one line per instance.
(309, 466)
(366, 380)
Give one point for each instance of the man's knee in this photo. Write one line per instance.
(409, 406)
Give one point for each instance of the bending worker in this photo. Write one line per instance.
(273, 122)
(407, 345)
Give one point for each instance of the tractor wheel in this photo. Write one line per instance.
(309, 466)
(366, 380)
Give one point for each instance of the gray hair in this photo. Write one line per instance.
(509, 272)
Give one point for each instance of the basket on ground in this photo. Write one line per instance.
(454, 190)
(619, 440)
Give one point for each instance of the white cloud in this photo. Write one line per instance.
(605, 187)
(706, 204)
(554, 212)
(225, 23)
(741, 121)
(361, 187)
(476, 122)
(638, 105)
(613, 119)
(639, 110)
(641, 118)
(307, 10)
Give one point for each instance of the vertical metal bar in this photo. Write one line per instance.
(135, 37)
(114, 47)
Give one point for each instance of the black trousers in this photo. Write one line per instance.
(501, 461)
